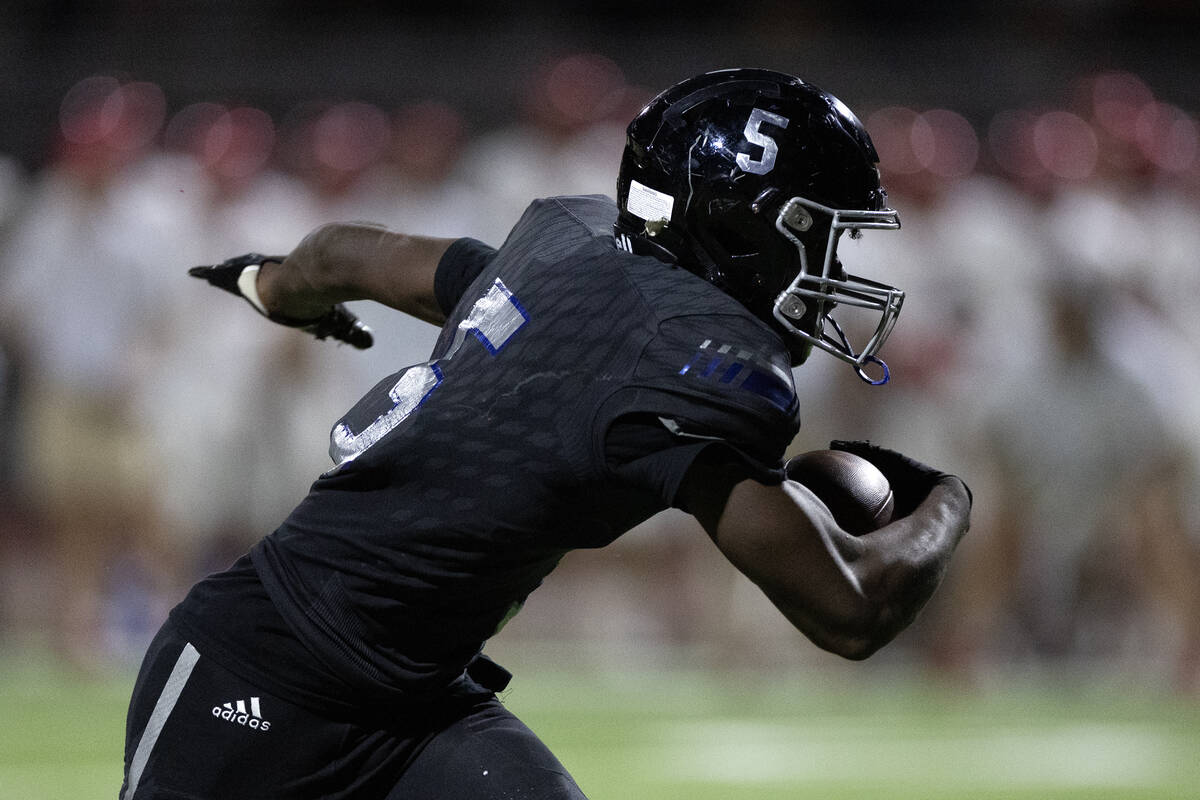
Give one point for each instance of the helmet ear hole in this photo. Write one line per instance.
(733, 242)
(733, 228)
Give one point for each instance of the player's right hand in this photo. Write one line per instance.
(226, 275)
(911, 480)
(238, 276)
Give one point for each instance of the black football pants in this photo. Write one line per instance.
(197, 731)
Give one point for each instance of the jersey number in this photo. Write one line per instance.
(493, 320)
(754, 135)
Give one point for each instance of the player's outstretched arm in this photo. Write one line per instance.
(340, 262)
(849, 594)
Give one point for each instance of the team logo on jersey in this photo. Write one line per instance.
(744, 369)
(237, 713)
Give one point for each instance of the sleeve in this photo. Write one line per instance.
(461, 263)
(705, 385)
(643, 450)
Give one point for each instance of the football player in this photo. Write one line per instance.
(608, 361)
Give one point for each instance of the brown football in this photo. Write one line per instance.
(855, 491)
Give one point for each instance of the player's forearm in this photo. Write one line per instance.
(788, 543)
(347, 261)
(902, 564)
(848, 594)
(875, 584)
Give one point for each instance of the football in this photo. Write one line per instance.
(855, 491)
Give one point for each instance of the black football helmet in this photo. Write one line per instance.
(748, 178)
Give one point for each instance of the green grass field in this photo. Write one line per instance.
(679, 734)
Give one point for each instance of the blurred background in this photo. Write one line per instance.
(1044, 157)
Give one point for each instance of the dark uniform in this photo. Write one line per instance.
(572, 387)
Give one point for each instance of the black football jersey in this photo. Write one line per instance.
(572, 386)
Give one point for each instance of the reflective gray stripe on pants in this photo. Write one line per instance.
(158, 718)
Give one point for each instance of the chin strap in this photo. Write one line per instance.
(682, 251)
(862, 373)
(641, 244)
(644, 247)
(859, 363)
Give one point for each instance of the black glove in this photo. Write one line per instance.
(338, 322)
(911, 480)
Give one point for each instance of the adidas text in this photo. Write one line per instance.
(238, 714)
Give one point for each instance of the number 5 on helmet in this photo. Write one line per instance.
(750, 178)
(238, 276)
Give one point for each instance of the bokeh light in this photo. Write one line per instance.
(1066, 145)
(900, 136)
(946, 143)
(351, 136)
(1167, 136)
(1011, 145)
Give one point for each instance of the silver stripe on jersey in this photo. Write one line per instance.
(158, 717)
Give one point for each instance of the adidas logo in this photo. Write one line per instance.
(237, 713)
